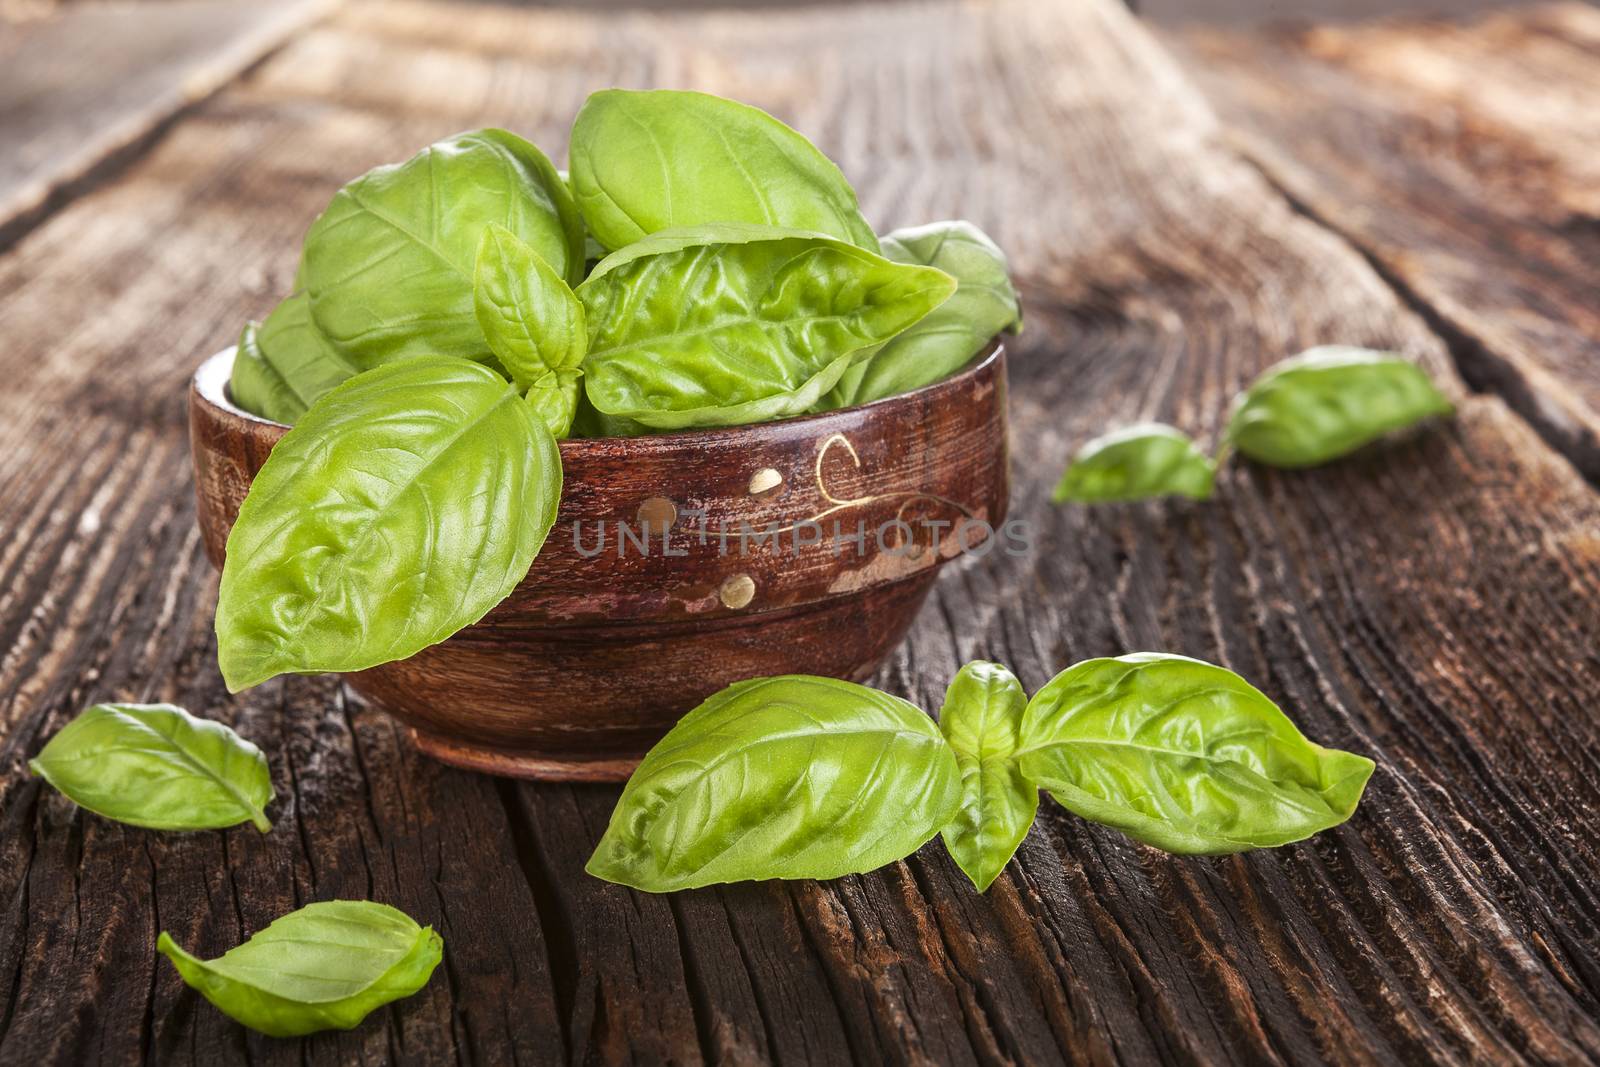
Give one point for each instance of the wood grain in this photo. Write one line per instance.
(1431, 603)
(1461, 159)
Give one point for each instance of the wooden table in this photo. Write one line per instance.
(1182, 211)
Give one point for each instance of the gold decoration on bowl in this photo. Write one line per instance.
(737, 591)
(764, 481)
(656, 515)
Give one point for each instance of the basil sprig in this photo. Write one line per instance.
(1307, 410)
(801, 777)
(157, 766)
(324, 967)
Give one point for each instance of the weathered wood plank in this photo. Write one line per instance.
(1462, 159)
(1430, 603)
(85, 85)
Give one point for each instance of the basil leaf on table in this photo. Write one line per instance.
(649, 161)
(1136, 463)
(1183, 755)
(324, 967)
(731, 324)
(533, 323)
(1328, 402)
(786, 777)
(285, 365)
(159, 767)
(947, 338)
(404, 505)
(390, 264)
(980, 719)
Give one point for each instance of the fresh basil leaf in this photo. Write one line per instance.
(285, 365)
(980, 718)
(403, 506)
(787, 777)
(324, 967)
(947, 338)
(665, 159)
(730, 324)
(157, 766)
(1328, 402)
(390, 264)
(534, 324)
(1183, 755)
(1136, 463)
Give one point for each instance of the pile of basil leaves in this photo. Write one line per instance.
(702, 265)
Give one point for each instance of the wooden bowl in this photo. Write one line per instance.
(606, 643)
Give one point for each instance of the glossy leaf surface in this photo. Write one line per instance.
(1136, 463)
(531, 318)
(643, 162)
(981, 717)
(943, 342)
(285, 365)
(1327, 402)
(723, 325)
(324, 967)
(404, 505)
(787, 777)
(390, 264)
(157, 766)
(1183, 755)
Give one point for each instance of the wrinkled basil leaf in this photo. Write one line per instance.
(787, 777)
(1136, 463)
(157, 766)
(725, 325)
(649, 161)
(1328, 402)
(403, 506)
(285, 365)
(1183, 755)
(324, 967)
(390, 264)
(981, 716)
(946, 339)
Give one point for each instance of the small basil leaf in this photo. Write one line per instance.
(1328, 402)
(529, 315)
(554, 399)
(390, 264)
(947, 338)
(285, 365)
(980, 718)
(649, 161)
(157, 766)
(725, 325)
(324, 967)
(1136, 463)
(1183, 755)
(787, 777)
(403, 506)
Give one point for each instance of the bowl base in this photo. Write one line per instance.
(506, 763)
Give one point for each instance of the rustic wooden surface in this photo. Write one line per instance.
(1432, 603)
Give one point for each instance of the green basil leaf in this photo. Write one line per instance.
(157, 766)
(649, 161)
(554, 399)
(1135, 463)
(1183, 755)
(981, 716)
(403, 506)
(285, 365)
(324, 967)
(529, 314)
(787, 777)
(390, 264)
(731, 324)
(947, 338)
(1328, 402)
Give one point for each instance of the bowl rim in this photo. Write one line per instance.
(210, 380)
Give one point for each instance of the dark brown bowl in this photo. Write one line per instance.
(596, 654)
